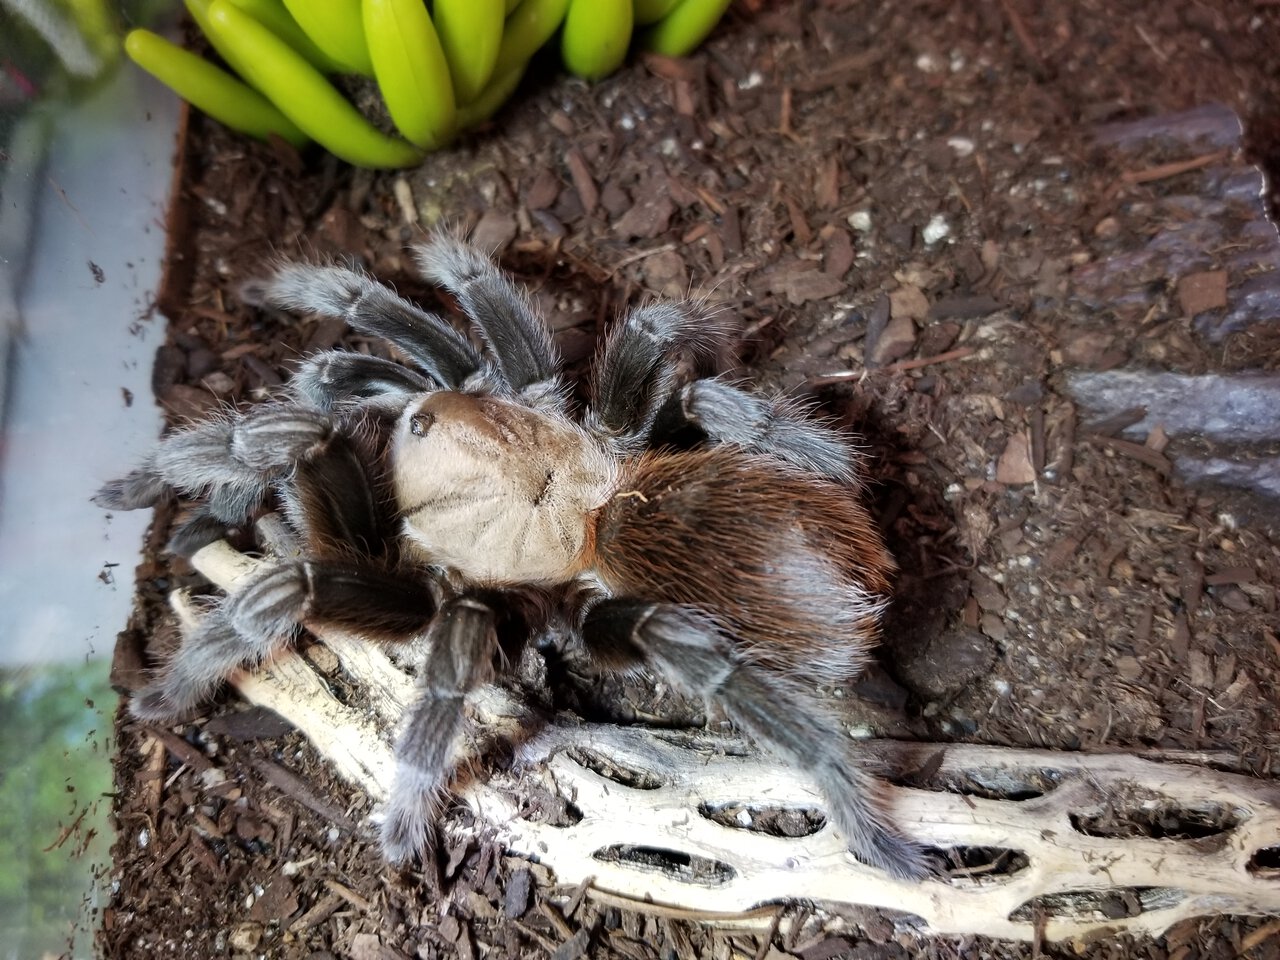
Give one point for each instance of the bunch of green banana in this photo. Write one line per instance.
(439, 70)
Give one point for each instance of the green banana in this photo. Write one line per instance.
(681, 30)
(272, 15)
(595, 38)
(336, 28)
(302, 94)
(651, 11)
(491, 98)
(411, 69)
(509, 5)
(210, 88)
(527, 29)
(470, 32)
(199, 10)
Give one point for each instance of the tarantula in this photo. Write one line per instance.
(463, 503)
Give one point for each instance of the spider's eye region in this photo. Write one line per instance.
(420, 423)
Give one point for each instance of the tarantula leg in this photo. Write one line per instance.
(199, 529)
(371, 308)
(330, 501)
(520, 340)
(637, 367)
(773, 427)
(229, 461)
(245, 629)
(332, 376)
(462, 641)
(695, 655)
(264, 614)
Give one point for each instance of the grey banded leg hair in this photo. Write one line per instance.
(230, 461)
(263, 616)
(518, 338)
(636, 369)
(694, 655)
(462, 642)
(373, 309)
(777, 428)
(334, 376)
(243, 630)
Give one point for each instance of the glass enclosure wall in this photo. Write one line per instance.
(85, 158)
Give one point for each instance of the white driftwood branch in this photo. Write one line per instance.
(1169, 879)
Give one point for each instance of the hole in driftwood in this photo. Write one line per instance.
(992, 783)
(611, 770)
(539, 805)
(773, 821)
(1098, 904)
(1144, 814)
(680, 866)
(979, 863)
(1266, 863)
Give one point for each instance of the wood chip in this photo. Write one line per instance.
(1231, 575)
(908, 301)
(896, 340)
(1014, 466)
(182, 750)
(588, 195)
(1156, 461)
(496, 229)
(969, 307)
(1166, 170)
(297, 788)
(1198, 292)
(649, 217)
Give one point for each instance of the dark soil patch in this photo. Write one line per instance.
(825, 170)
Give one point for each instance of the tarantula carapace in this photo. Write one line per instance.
(450, 501)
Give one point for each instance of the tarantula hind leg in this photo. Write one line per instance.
(462, 641)
(264, 614)
(696, 656)
(245, 628)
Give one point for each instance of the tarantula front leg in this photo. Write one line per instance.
(230, 461)
(333, 376)
(526, 356)
(729, 415)
(695, 655)
(461, 644)
(264, 615)
(373, 309)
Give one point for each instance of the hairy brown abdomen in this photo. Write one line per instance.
(791, 565)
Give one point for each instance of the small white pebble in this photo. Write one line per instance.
(144, 838)
(928, 63)
(861, 732)
(860, 220)
(1001, 687)
(754, 79)
(333, 835)
(936, 229)
(743, 818)
(962, 146)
